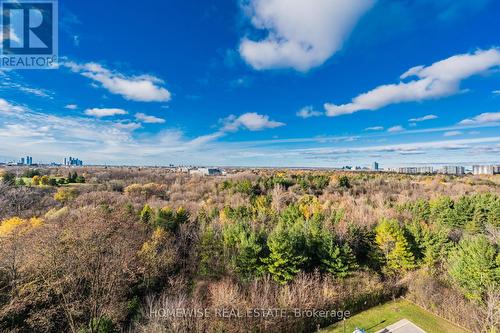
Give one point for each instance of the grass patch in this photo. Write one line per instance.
(376, 318)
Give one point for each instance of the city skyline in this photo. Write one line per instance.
(253, 83)
(449, 169)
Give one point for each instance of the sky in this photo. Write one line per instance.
(291, 83)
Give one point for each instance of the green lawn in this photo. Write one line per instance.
(377, 318)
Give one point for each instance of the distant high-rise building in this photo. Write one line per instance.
(375, 166)
(29, 160)
(415, 170)
(21, 161)
(485, 169)
(453, 170)
(72, 161)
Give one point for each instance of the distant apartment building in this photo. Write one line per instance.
(375, 166)
(72, 161)
(485, 169)
(25, 161)
(206, 172)
(415, 170)
(453, 170)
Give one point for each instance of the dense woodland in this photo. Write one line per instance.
(102, 249)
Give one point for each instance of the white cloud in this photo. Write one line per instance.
(13, 36)
(308, 112)
(142, 88)
(251, 121)
(204, 139)
(7, 107)
(128, 125)
(374, 128)
(452, 133)
(99, 113)
(496, 92)
(148, 119)
(483, 118)
(12, 80)
(424, 118)
(301, 34)
(395, 129)
(34, 91)
(438, 80)
(71, 107)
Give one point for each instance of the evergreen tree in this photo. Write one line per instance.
(181, 216)
(394, 247)
(464, 210)
(474, 265)
(286, 247)
(166, 219)
(428, 243)
(344, 182)
(211, 254)
(420, 210)
(442, 211)
(248, 263)
(147, 216)
(479, 219)
(494, 213)
(337, 260)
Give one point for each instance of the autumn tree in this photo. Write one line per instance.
(44, 180)
(65, 194)
(35, 180)
(394, 247)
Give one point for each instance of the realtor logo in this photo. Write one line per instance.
(29, 34)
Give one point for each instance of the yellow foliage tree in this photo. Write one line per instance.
(44, 180)
(309, 205)
(17, 224)
(35, 180)
(65, 194)
(157, 254)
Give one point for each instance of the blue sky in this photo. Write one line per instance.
(263, 83)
